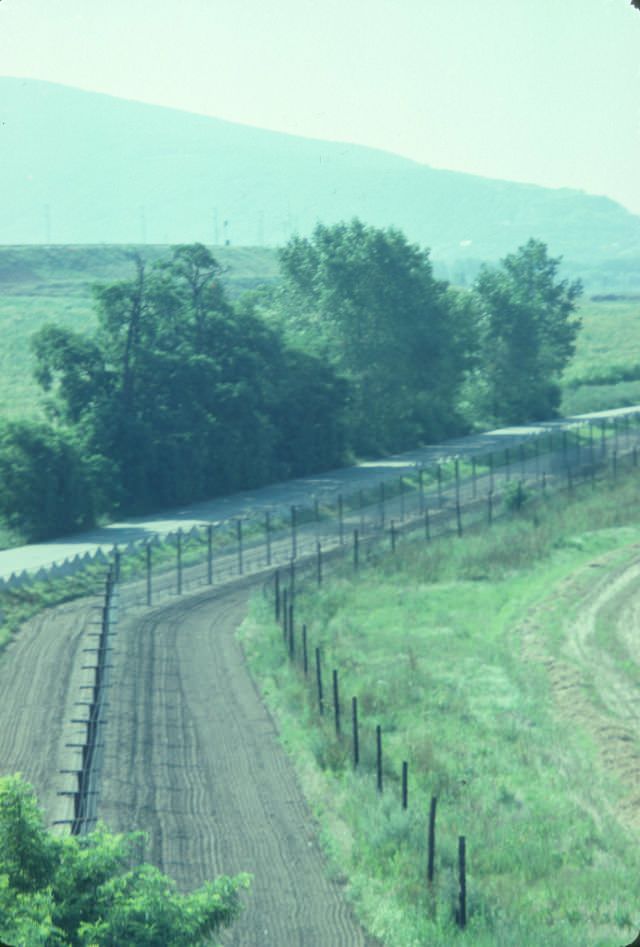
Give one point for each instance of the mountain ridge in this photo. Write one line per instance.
(87, 167)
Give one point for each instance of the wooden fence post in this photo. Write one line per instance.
(356, 736)
(210, 554)
(379, 758)
(148, 554)
(336, 702)
(431, 842)
(305, 654)
(462, 873)
(405, 784)
(276, 578)
(294, 534)
(319, 682)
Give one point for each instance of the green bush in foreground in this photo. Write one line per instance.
(82, 891)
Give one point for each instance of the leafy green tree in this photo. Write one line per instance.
(46, 483)
(367, 300)
(527, 329)
(181, 395)
(76, 891)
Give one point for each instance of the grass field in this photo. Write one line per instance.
(605, 372)
(53, 284)
(466, 653)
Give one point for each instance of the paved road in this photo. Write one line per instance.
(275, 496)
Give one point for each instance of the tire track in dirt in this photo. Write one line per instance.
(589, 686)
(193, 758)
(40, 678)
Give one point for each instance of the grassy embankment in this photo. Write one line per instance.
(437, 644)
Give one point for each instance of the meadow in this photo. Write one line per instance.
(462, 651)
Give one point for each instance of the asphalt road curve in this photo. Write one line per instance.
(192, 757)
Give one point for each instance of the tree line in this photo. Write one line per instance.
(180, 394)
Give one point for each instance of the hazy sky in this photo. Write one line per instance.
(546, 91)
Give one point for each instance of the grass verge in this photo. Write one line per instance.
(429, 641)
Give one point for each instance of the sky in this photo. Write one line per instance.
(541, 91)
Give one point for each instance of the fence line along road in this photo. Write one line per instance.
(68, 555)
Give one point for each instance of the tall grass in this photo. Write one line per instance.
(430, 642)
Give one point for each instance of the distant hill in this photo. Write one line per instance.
(79, 167)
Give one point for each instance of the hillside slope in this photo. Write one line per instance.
(80, 167)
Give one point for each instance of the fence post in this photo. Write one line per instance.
(356, 549)
(267, 535)
(319, 563)
(456, 466)
(179, 562)
(239, 537)
(458, 518)
(210, 554)
(603, 443)
(117, 556)
(354, 727)
(148, 552)
(431, 843)
(405, 784)
(490, 507)
(292, 641)
(276, 578)
(462, 872)
(285, 613)
(379, 757)
(305, 653)
(292, 579)
(294, 537)
(336, 702)
(319, 682)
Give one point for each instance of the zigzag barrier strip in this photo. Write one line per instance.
(236, 536)
(86, 791)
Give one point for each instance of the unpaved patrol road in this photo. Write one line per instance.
(192, 757)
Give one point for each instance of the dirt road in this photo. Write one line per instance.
(594, 665)
(41, 680)
(192, 756)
